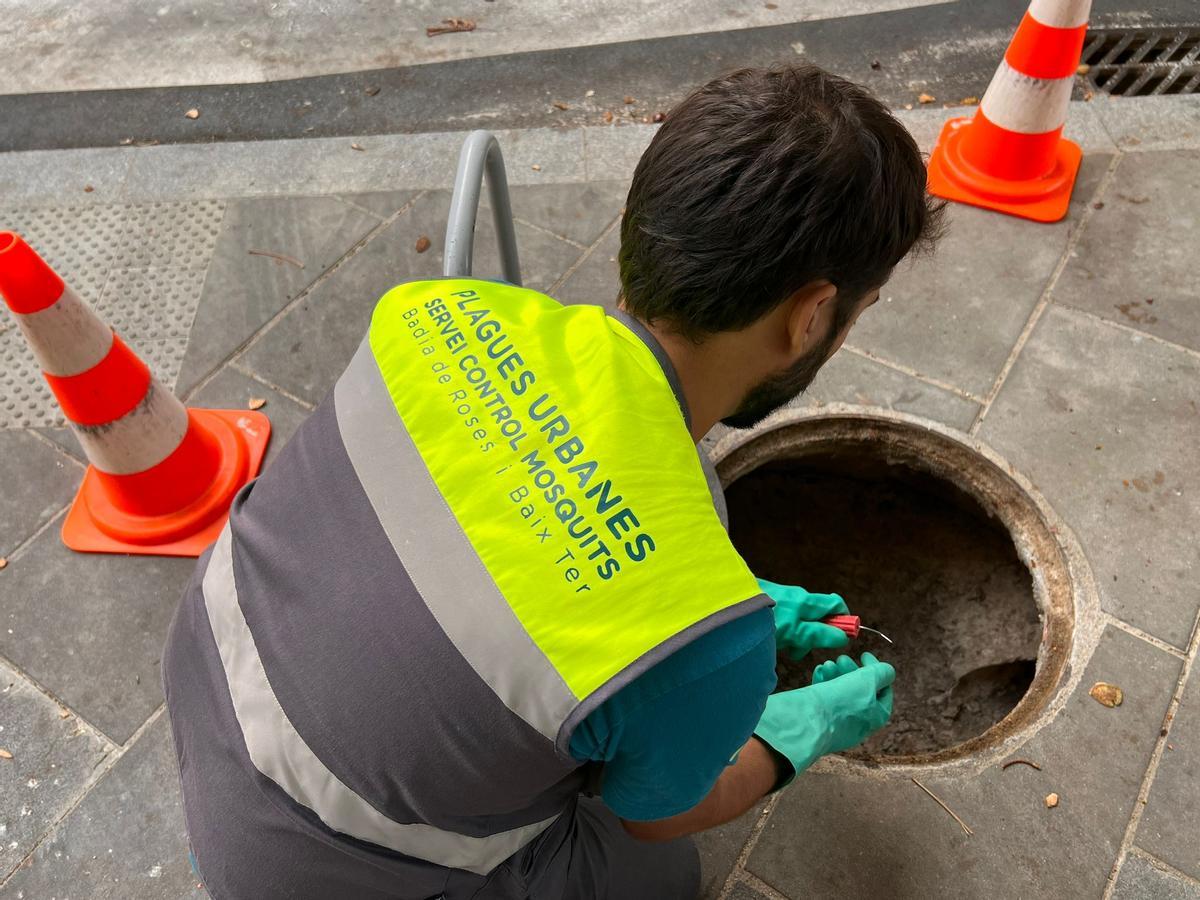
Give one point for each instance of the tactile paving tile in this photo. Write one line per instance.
(154, 304)
(140, 267)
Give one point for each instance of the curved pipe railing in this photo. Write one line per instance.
(480, 154)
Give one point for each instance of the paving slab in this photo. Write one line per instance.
(719, 850)
(849, 834)
(125, 841)
(851, 378)
(597, 280)
(382, 203)
(1105, 422)
(309, 347)
(1140, 879)
(577, 212)
(90, 627)
(1170, 825)
(61, 177)
(1135, 261)
(243, 291)
(1152, 123)
(38, 481)
(743, 891)
(231, 389)
(612, 153)
(956, 317)
(53, 758)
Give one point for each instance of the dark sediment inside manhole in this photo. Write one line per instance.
(917, 559)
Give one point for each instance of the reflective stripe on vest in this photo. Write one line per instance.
(553, 436)
(281, 754)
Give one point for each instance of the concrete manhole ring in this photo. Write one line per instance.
(930, 459)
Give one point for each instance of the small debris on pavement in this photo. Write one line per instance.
(1083, 69)
(87, 188)
(876, 64)
(1107, 694)
(771, 5)
(372, 90)
(193, 113)
(280, 258)
(1051, 801)
(1024, 762)
(969, 101)
(589, 94)
(558, 104)
(629, 101)
(256, 403)
(449, 26)
(925, 98)
(4, 754)
(3, 562)
(608, 115)
(1088, 95)
(356, 147)
(908, 106)
(64, 713)
(536, 167)
(1099, 204)
(659, 117)
(423, 243)
(125, 142)
(963, 825)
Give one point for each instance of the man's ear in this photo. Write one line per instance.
(806, 313)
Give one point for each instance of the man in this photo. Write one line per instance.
(478, 632)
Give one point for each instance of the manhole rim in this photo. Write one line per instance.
(1063, 587)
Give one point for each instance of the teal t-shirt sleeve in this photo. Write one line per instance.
(666, 737)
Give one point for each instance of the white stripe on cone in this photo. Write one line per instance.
(1026, 105)
(66, 337)
(140, 439)
(1061, 13)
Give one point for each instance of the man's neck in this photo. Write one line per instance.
(709, 376)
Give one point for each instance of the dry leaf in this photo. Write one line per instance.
(629, 101)
(3, 562)
(125, 142)
(4, 754)
(423, 244)
(1051, 801)
(536, 167)
(771, 5)
(558, 104)
(660, 117)
(192, 113)
(449, 26)
(372, 91)
(608, 116)
(1107, 694)
(64, 713)
(969, 101)
(356, 146)
(87, 188)
(1083, 69)
(926, 98)
(256, 403)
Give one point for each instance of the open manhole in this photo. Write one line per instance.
(920, 534)
(1137, 63)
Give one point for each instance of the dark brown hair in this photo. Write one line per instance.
(761, 182)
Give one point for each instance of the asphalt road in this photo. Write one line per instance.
(945, 50)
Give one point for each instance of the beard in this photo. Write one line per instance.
(778, 390)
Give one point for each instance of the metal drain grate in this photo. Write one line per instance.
(1140, 63)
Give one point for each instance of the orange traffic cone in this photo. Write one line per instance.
(1011, 157)
(162, 476)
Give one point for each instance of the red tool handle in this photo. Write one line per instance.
(848, 624)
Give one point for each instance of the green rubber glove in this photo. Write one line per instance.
(843, 707)
(798, 614)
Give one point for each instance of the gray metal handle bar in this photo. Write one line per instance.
(480, 151)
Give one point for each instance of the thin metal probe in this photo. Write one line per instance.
(880, 633)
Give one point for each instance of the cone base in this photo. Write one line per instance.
(1043, 199)
(93, 525)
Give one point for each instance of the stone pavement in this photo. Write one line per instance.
(1072, 350)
